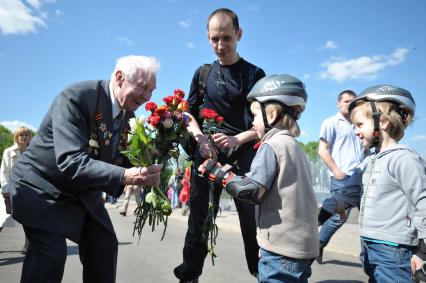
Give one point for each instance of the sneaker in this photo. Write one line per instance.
(319, 257)
(123, 213)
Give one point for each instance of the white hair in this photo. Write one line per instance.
(129, 65)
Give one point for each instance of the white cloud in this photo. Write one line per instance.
(253, 7)
(419, 138)
(59, 13)
(13, 125)
(125, 40)
(185, 23)
(21, 18)
(36, 4)
(190, 45)
(306, 76)
(364, 67)
(330, 45)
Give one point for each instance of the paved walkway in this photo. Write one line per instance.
(153, 261)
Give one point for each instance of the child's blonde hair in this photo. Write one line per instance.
(287, 122)
(398, 117)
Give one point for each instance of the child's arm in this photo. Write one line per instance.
(241, 187)
(410, 173)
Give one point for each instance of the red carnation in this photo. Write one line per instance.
(207, 113)
(168, 100)
(219, 119)
(176, 100)
(154, 119)
(160, 110)
(179, 93)
(150, 106)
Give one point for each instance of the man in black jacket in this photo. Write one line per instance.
(229, 80)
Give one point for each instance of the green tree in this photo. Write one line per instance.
(311, 149)
(6, 140)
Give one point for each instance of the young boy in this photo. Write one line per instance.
(393, 205)
(279, 181)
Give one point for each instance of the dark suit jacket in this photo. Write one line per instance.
(58, 182)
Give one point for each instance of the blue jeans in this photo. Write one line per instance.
(348, 192)
(386, 263)
(275, 268)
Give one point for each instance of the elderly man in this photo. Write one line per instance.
(57, 183)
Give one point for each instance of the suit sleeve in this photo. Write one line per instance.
(70, 133)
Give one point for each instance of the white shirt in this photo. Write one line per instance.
(344, 146)
(10, 155)
(115, 106)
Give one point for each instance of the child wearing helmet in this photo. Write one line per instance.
(393, 205)
(279, 181)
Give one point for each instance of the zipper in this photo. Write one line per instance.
(364, 195)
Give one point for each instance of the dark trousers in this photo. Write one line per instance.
(195, 247)
(47, 252)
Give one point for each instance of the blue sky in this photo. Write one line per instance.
(331, 45)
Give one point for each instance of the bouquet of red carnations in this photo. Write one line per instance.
(157, 142)
(211, 125)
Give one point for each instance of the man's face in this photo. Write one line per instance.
(223, 38)
(343, 104)
(131, 94)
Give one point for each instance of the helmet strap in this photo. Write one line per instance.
(264, 117)
(376, 120)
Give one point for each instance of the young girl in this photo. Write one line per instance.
(279, 181)
(393, 205)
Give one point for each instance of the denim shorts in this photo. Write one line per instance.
(274, 268)
(386, 263)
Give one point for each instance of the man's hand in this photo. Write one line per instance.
(223, 140)
(145, 176)
(339, 175)
(418, 261)
(207, 150)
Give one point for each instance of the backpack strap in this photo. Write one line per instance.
(202, 79)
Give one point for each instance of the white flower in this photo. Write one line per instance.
(132, 123)
(142, 120)
(167, 123)
(93, 143)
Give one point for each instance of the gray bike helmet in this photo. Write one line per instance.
(390, 93)
(285, 89)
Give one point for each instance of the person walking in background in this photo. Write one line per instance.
(21, 140)
(225, 89)
(56, 186)
(175, 187)
(279, 181)
(130, 190)
(184, 194)
(342, 151)
(393, 204)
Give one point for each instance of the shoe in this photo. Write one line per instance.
(319, 257)
(123, 213)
